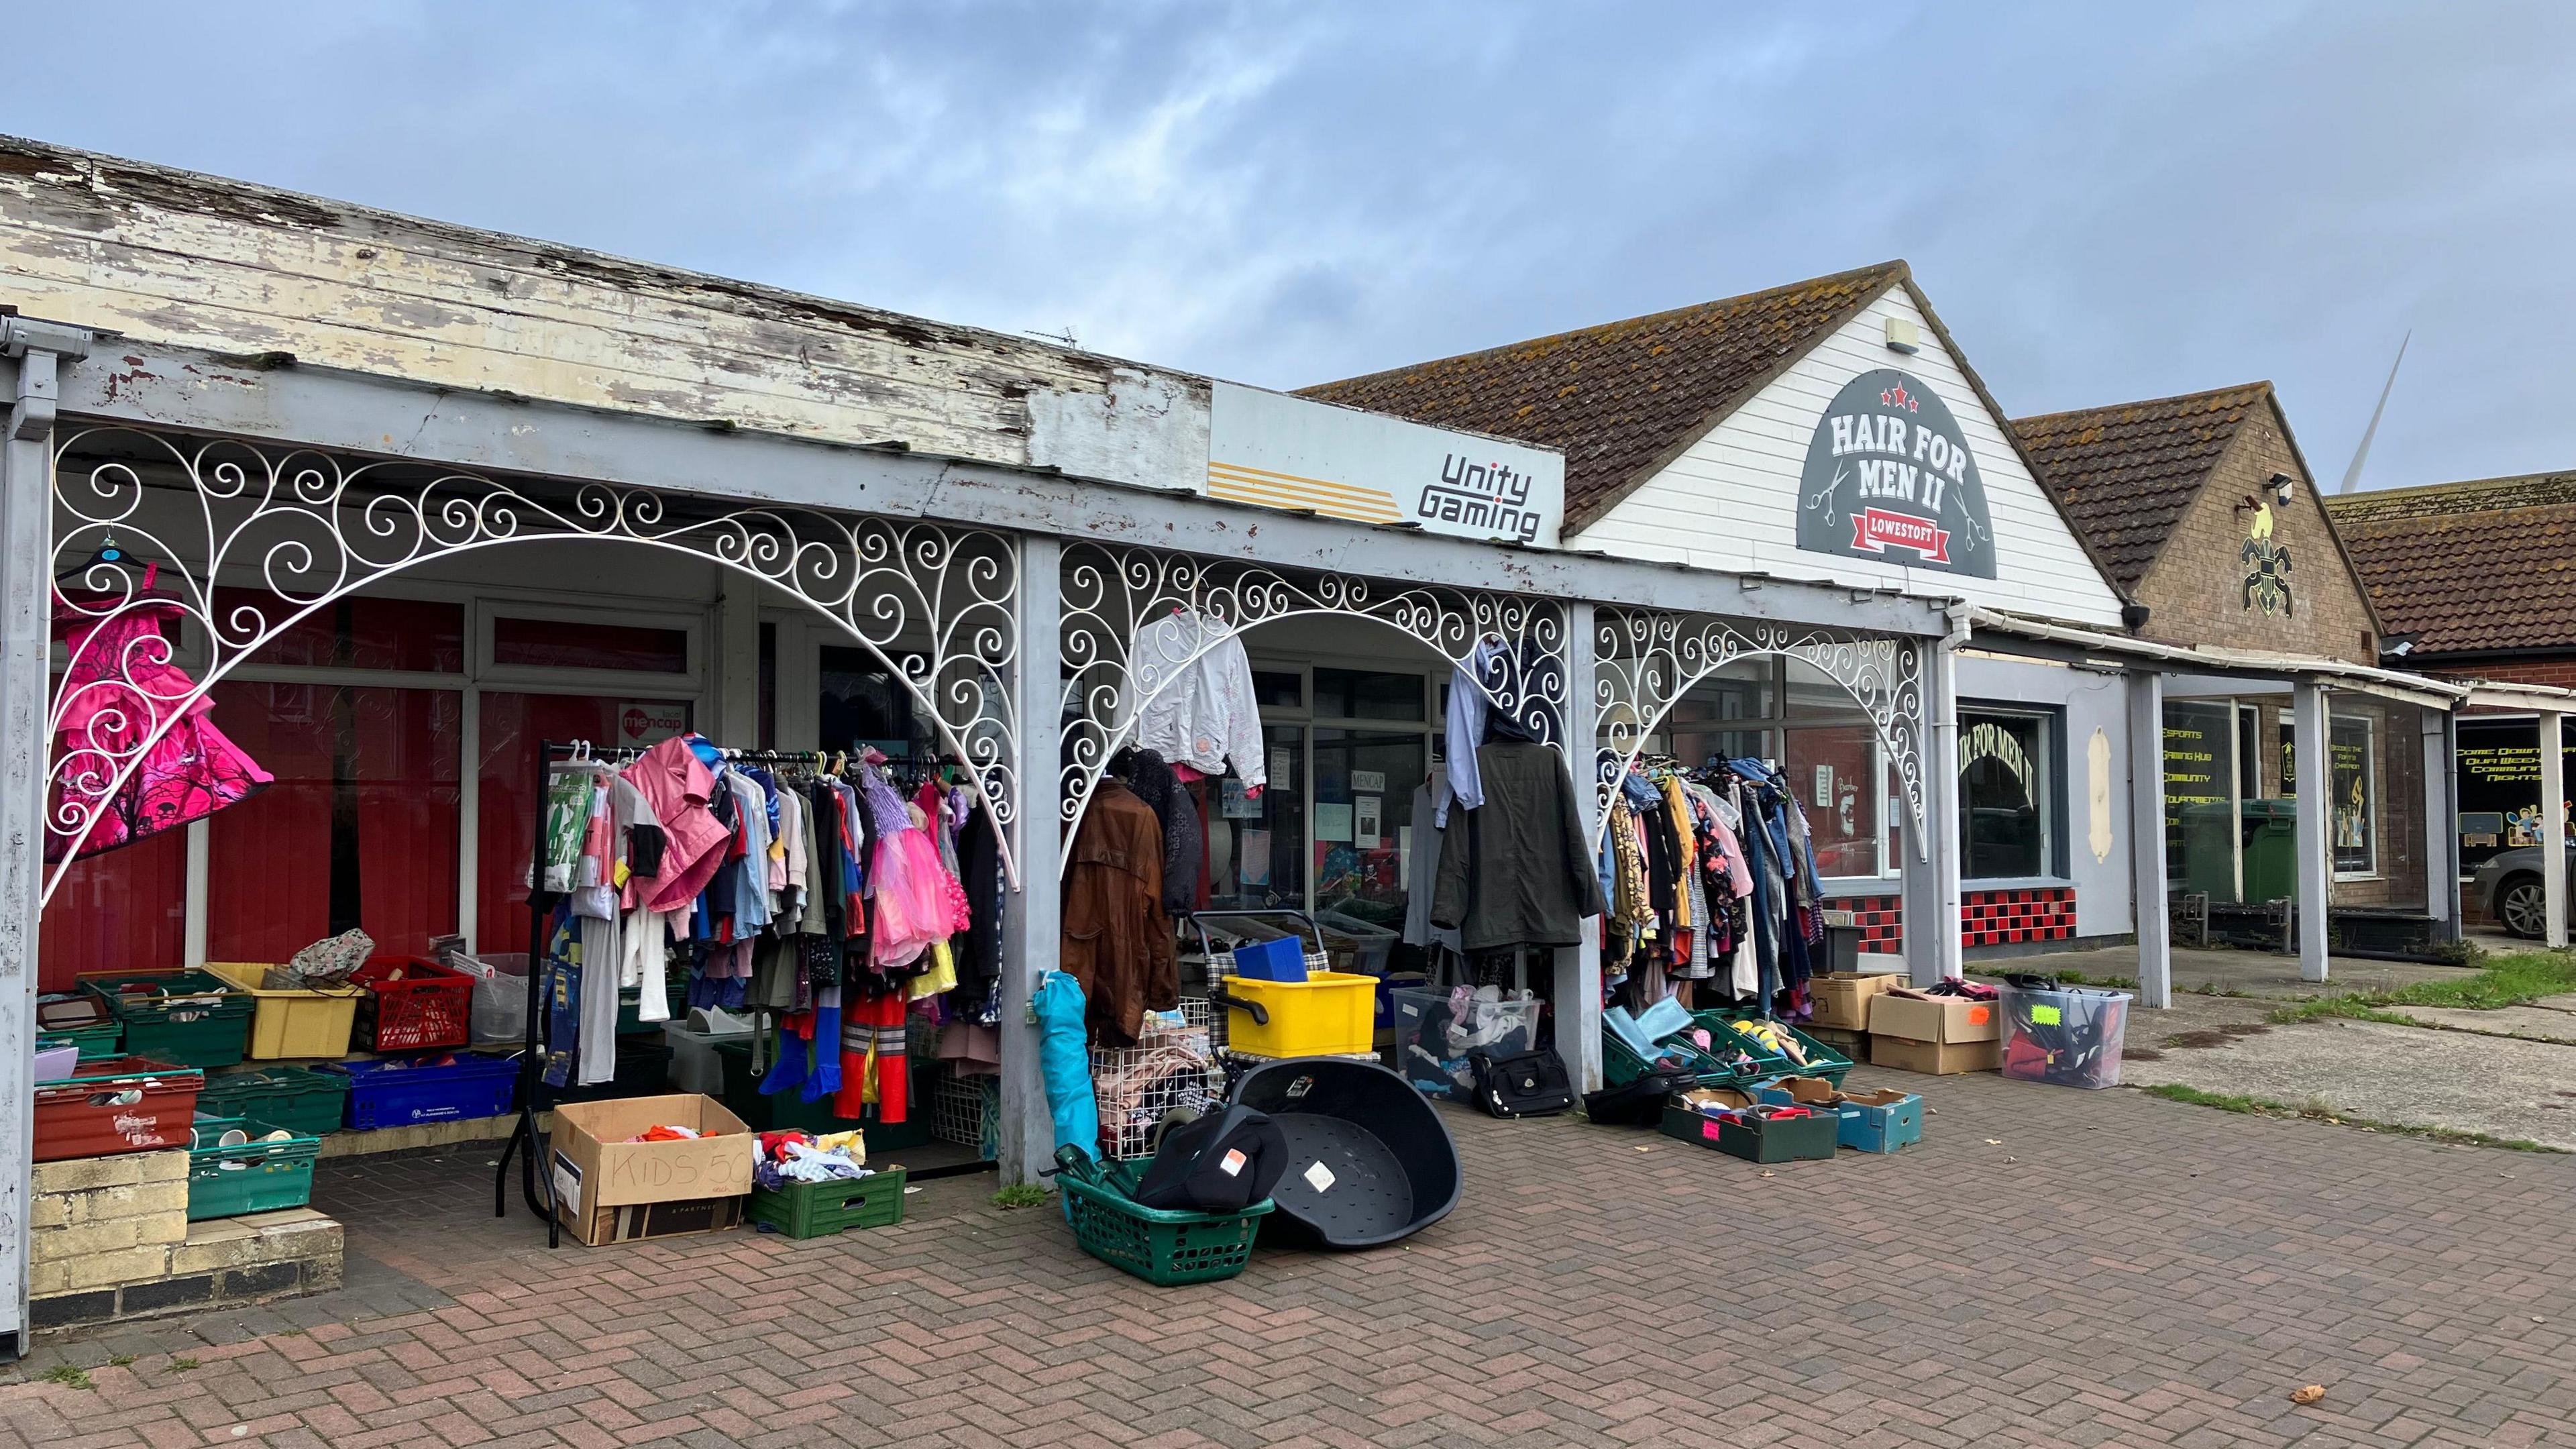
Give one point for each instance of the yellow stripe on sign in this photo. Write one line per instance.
(1265, 477)
(1365, 512)
(1287, 490)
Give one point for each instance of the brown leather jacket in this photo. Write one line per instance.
(1117, 941)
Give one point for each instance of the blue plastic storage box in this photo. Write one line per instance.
(398, 1093)
(1280, 960)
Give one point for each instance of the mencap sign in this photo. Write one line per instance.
(1890, 477)
(1289, 452)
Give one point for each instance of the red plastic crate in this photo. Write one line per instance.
(121, 1104)
(430, 1006)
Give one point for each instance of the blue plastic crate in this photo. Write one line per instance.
(395, 1093)
(1280, 960)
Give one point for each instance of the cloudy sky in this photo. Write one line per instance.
(2104, 203)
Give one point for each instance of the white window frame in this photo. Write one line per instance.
(1433, 725)
(2370, 788)
(2044, 787)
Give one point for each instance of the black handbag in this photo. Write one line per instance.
(1220, 1163)
(1525, 1084)
(1639, 1103)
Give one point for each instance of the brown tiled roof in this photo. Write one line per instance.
(1622, 399)
(2124, 473)
(2467, 567)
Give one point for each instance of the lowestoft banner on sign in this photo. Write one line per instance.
(1890, 477)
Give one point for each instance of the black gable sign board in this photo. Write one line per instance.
(1889, 477)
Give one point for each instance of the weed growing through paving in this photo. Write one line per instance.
(120, 1360)
(2506, 981)
(182, 1365)
(66, 1374)
(2078, 978)
(2317, 1111)
(1020, 1195)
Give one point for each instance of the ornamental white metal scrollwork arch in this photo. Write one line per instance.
(310, 528)
(1117, 661)
(1645, 661)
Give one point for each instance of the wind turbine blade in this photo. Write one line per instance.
(2352, 475)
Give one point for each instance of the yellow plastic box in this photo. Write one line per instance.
(1330, 1013)
(292, 1023)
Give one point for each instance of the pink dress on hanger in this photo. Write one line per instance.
(119, 687)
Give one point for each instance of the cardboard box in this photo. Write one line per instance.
(1941, 1019)
(601, 1226)
(1938, 1058)
(1842, 998)
(598, 1171)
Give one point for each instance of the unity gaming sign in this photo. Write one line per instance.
(1890, 478)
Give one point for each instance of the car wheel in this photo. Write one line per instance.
(2521, 909)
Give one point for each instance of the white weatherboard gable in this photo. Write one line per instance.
(1731, 501)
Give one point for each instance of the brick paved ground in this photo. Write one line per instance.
(2111, 1269)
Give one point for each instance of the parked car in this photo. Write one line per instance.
(2509, 883)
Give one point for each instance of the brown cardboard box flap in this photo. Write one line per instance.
(1841, 998)
(596, 1167)
(1938, 1058)
(1934, 1019)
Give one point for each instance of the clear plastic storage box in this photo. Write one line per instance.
(2070, 1036)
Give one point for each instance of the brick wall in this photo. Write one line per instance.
(2195, 592)
(1986, 918)
(2558, 672)
(110, 1238)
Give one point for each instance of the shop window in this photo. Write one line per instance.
(2352, 789)
(361, 631)
(2005, 795)
(1833, 770)
(1364, 784)
(862, 704)
(570, 644)
(121, 910)
(2200, 817)
(512, 728)
(1367, 694)
(1256, 845)
(359, 830)
(1278, 689)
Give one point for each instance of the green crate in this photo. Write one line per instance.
(1163, 1248)
(96, 1043)
(1822, 1060)
(820, 1209)
(255, 1177)
(299, 1099)
(787, 1111)
(1621, 1065)
(191, 1019)
(1794, 1139)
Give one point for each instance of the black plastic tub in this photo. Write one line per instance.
(1369, 1160)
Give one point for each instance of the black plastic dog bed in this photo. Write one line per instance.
(1387, 1167)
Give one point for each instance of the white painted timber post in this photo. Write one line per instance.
(1931, 890)
(2553, 827)
(1032, 924)
(2147, 837)
(737, 711)
(1578, 968)
(2316, 813)
(2441, 824)
(26, 577)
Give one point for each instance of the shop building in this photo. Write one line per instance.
(400, 502)
(2469, 579)
(2154, 620)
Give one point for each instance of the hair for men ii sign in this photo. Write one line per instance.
(1889, 477)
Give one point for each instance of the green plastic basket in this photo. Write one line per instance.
(299, 1099)
(185, 1018)
(1822, 1060)
(820, 1209)
(255, 1177)
(1621, 1065)
(1163, 1248)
